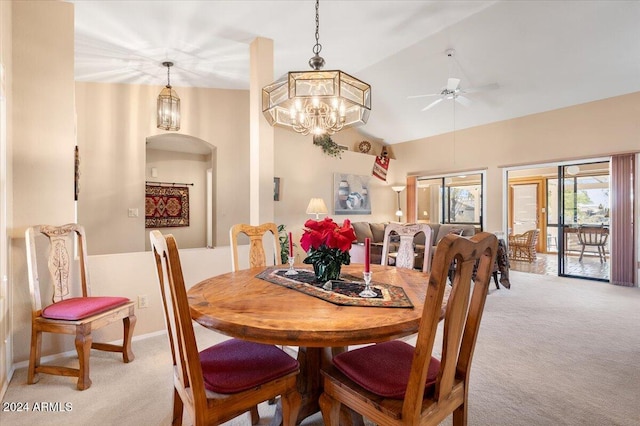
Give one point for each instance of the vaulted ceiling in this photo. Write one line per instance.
(543, 55)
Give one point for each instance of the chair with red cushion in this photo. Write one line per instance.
(226, 379)
(55, 310)
(394, 383)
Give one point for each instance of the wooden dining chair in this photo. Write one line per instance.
(394, 383)
(226, 379)
(257, 255)
(56, 310)
(405, 256)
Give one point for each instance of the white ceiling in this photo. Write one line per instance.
(543, 54)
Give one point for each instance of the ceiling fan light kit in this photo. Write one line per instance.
(453, 91)
(316, 101)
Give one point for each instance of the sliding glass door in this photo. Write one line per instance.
(583, 220)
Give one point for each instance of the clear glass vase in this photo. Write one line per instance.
(327, 271)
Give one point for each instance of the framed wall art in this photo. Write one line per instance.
(351, 194)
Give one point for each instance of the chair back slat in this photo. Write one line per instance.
(462, 315)
(182, 339)
(405, 257)
(60, 260)
(257, 255)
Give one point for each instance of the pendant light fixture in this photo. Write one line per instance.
(317, 101)
(168, 105)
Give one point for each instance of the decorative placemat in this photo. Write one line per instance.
(339, 292)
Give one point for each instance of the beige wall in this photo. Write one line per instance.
(188, 168)
(589, 130)
(5, 189)
(43, 137)
(113, 122)
(306, 172)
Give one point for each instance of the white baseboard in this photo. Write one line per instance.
(5, 385)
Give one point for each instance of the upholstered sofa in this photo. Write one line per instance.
(375, 231)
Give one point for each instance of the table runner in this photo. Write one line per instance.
(339, 292)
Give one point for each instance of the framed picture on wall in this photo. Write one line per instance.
(276, 189)
(351, 194)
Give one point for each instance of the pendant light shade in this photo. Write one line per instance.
(168, 105)
(316, 101)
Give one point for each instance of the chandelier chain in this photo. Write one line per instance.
(168, 76)
(318, 47)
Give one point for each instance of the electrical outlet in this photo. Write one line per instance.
(133, 212)
(143, 301)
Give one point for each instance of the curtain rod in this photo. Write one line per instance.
(168, 183)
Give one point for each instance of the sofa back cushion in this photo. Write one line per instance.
(464, 230)
(377, 229)
(362, 230)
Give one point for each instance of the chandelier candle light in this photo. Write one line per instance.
(316, 101)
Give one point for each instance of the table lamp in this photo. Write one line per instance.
(317, 206)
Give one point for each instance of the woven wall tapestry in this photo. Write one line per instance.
(166, 206)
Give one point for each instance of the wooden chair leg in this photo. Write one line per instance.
(255, 416)
(129, 324)
(34, 356)
(330, 410)
(460, 415)
(83, 347)
(178, 408)
(290, 408)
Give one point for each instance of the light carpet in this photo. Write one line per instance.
(551, 351)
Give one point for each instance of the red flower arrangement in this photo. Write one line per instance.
(327, 246)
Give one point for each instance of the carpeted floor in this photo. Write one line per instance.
(551, 351)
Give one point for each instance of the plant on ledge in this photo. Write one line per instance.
(327, 246)
(327, 144)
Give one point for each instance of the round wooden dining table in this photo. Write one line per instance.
(241, 305)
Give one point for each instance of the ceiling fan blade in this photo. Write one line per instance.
(453, 83)
(432, 104)
(422, 96)
(486, 87)
(463, 101)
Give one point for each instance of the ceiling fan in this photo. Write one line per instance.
(453, 90)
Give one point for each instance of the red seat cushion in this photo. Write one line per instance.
(383, 368)
(81, 307)
(236, 365)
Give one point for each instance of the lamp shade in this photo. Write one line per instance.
(317, 206)
(398, 188)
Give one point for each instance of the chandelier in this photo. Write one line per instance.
(316, 101)
(168, 105)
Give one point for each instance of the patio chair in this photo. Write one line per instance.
(523, 246)
(593, 236)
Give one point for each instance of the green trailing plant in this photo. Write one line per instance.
(329, 147)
